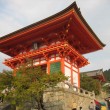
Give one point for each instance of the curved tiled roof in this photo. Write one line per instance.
(71, 7)
(95, 73)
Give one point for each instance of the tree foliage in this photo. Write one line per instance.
(106, 85)
(106, 89)
(28, 85)
(107, 75)
(90, 84)
(6, 79)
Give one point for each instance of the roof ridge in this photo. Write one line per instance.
(92, 71)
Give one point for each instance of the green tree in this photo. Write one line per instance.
(28, 85)
(107, 75)
(6, 79)
(90, 84)
(106, 88)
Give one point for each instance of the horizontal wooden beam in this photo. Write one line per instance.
(62, 48)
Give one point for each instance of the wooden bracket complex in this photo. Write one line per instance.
(62, 49)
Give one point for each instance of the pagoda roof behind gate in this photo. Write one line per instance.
(97, 74)
(85, 37)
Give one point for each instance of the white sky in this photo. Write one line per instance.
(15, 14)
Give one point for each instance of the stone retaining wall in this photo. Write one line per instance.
(67, 98)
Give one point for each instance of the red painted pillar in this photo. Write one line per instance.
(48, 67)
(62, 65)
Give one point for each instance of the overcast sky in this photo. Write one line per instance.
(15, 14)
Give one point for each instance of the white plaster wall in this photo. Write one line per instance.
(36, 63)
(67, 64)
(68, 73)
(58, 58)
(76, 69)
(75, 79)
(52, 59)
(43, 61)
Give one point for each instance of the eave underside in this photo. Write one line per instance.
(63, 49)
(80, 35)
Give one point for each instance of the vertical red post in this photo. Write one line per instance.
(48, 66)
(62, 65)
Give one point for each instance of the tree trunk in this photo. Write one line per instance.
(40, 102)
(39, 105)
